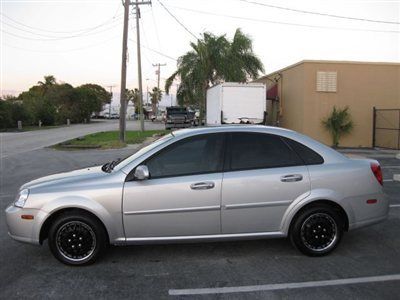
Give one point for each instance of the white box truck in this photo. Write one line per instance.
(235, 103)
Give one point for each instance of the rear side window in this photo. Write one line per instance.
(194, 155)
(310, 157)
(260, 150)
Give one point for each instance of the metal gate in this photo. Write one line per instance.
(386, 128)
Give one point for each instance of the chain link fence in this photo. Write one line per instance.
(386, 128)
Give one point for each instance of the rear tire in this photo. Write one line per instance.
(77, 239)
(317, 230)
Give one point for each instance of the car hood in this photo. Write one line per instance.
(64, 178)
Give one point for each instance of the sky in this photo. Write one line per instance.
(80, 41)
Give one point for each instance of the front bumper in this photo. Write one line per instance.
(23, 230)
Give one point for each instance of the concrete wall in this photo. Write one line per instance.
(361, 86)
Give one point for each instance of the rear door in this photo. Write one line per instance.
(263, 177)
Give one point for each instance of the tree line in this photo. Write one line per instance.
(52, 103)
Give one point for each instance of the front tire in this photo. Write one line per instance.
(77, 239)
(317, 230)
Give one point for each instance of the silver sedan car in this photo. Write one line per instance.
(205, 184)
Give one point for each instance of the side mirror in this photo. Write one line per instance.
(142, 172)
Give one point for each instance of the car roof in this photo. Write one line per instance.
(231, 128)
(328, 153)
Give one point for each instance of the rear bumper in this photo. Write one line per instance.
(366, 223)
(369, 214)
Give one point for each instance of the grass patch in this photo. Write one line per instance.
(108, 140)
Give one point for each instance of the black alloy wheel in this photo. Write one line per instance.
(77, 238)
(317, 230)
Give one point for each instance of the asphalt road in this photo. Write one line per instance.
(12, 143)
(156, 271)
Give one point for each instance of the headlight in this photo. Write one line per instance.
(21, 198)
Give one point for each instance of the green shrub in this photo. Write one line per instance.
(338, 123)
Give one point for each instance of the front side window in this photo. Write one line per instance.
(193, 155)
(259, 150)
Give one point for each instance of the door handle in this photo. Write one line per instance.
(202, 185)
(292, 178)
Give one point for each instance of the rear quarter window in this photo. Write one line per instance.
(309, 156)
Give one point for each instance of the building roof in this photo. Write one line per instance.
(329, 62)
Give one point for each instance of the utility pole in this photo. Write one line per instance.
(158, 73)
(147, 91)
(122, 121)
(158, 65)
(122, 112)
(137, 3)
(109, 107)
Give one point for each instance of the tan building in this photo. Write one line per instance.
(307, 91)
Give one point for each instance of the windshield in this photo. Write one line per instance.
(129, 159)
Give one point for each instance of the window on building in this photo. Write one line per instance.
(326, 81)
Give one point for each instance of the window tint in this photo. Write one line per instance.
(194, 155)
(310, 157)
(259, 150)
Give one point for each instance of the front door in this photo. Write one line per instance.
(182, 197)
(264, 176)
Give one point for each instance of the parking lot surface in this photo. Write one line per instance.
(262, 269)
(12, 143)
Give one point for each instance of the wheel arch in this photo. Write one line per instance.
(44, 229)
(334, 205)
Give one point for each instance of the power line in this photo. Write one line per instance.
(28, 31)
(65, 50)
(59, 38)
(155, 51)
(159, 53)
(156, 29)
(176, 19)
(54, 37)
(319, 13)
(113, 19)
(147, 42)
(284, 23)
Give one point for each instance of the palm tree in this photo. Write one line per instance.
(214, 59)
(338, 123)
(241, 63)
(48, 81)
(133, 95)
(155, 97)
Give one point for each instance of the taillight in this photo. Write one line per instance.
(376, 169)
